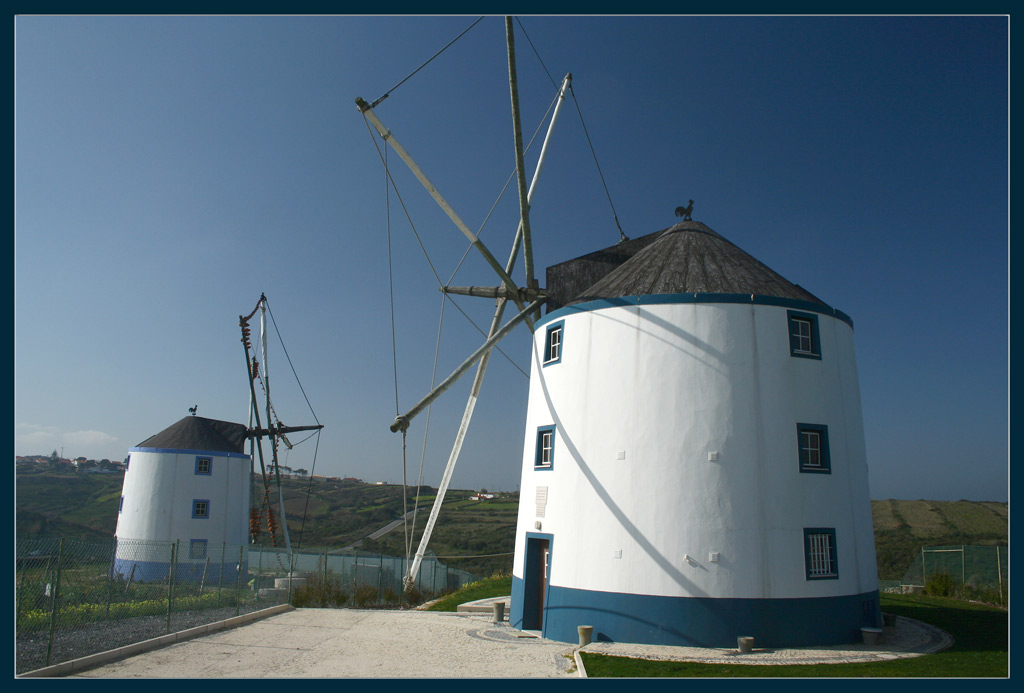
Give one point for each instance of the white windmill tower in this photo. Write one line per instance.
(694, 468)
(186, 498)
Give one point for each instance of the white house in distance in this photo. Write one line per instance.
(186, 486)
(694, 468)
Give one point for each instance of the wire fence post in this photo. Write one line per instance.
(53, 601)
(238, 581)
(999, 571)
(110, 575)
(259, 576)
(170, 585)
(324, 590)
(291, 573)
(220, 576)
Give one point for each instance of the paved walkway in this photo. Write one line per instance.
(351, 643)
(908, 638)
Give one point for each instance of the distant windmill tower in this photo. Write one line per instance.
(694, 467)
(187, 490)
(187, 484)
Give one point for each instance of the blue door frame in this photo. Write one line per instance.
(536, 579)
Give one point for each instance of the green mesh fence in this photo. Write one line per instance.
(75, 598)
(974, 566)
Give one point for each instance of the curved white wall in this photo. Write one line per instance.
(641, 396)
(157, 506)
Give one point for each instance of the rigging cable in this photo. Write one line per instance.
(622, 236)
(394, 350)
(423, 248)
(388, 92)
(316, 449)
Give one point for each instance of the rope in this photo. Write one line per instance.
(622, 236)
(388, 92)
(523, 29)
(426, 430)
(508, 181)
(391, 277)
(289, 358)
(402, 203)
(309, 486)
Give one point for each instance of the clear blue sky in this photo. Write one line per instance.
(170, 169)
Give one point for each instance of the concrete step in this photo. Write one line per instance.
(483, 606)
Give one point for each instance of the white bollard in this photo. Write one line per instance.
(586, 634)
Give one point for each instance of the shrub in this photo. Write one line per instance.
(364, 595)
(940, 585)
(320, 590)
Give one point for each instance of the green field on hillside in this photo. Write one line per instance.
(337, 514)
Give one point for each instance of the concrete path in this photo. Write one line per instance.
(354, 643)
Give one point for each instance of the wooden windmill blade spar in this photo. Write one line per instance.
(438, 197)
(535, 295)
(402, 422)
(524, 205)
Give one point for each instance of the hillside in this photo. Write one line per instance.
(902, 527)
(341, 513)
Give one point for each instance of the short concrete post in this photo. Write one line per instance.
(872, 636)
(745, 643)
(586, 634)
(499, 612)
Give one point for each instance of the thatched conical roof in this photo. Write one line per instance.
(691, 258)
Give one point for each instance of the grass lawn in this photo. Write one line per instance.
(495, 586)
(980, 649)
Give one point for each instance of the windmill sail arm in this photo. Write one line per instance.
(402, 422)
(496, 292)
(436, 194)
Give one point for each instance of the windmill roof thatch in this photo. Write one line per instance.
(198, 433)
(691, 258)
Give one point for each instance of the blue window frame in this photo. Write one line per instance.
(820, 553)
(553, 343)
(197, 548)
(200, 508)
(545, 456)
(804, 340)
(812, 442)
(204, 465)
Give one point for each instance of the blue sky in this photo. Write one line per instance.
(170, 169)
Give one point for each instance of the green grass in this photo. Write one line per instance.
(980, 649)
(494, 586)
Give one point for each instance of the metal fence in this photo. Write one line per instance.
(974, 566)
(75, 598)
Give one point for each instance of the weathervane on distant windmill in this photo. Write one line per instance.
(685, 212)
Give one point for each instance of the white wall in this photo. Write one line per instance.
(664, 384)
(158, 491)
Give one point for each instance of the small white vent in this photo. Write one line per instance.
(542, 500)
